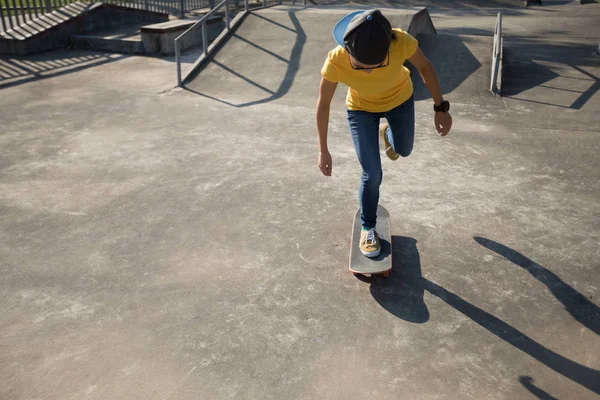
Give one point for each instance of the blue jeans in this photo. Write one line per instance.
(364, 127)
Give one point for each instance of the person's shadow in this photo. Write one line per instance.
(402, 295)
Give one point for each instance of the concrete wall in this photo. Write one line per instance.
(110, 45)
(111, 15)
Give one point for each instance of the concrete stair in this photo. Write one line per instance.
(150, 39)
(48, 21)
(124, 39)
(72, 24)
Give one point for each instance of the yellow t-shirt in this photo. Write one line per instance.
(384, 88)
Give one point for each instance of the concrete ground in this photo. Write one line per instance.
(161, 243)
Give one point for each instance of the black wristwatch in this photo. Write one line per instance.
(444, 107)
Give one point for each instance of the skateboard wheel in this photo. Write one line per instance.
(386, 274)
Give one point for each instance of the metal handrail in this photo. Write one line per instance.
(496, 52)
(202, 23)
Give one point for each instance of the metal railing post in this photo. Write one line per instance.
(182, 5)
(29, 13)
(246, 5)
(8, 14)
(19, 7)
(499, 23)
(178, 61)
(227, 15)
(496, 51)
(48, 6)
(204, 38)
(190, 37)
(2, 21)
(265, 3)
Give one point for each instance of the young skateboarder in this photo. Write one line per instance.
(370, 61)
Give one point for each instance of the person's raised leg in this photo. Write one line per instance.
(400, 134)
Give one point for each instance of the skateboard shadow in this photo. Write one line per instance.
(402, 293)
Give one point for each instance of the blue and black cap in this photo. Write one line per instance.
(366, 35)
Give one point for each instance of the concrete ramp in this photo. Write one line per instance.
(277, 54)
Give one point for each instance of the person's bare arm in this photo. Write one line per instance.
(326, 92)
(443, 120)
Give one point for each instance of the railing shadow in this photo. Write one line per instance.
(528, 65)
(292, 68)
(401, 295)
(19, 70)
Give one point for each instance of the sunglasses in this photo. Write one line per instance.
(384, 64)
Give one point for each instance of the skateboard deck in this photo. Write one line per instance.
(382, 264)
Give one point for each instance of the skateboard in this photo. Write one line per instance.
(382, 264)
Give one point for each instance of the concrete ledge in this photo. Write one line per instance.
(170, 26)
(180, 25)
(160, 38)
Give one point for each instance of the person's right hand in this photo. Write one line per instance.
(325, 164)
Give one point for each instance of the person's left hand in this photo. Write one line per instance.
(443, 122)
